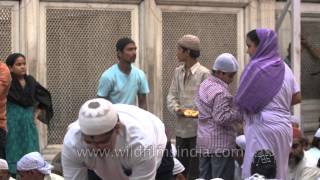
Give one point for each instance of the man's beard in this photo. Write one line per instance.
(295, 160)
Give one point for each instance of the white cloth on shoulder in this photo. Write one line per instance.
(178, 167)
(241, 142)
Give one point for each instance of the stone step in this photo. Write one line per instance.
(51, 151)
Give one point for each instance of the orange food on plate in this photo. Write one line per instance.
(190, 113)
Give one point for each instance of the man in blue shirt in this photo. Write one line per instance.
(123, 82)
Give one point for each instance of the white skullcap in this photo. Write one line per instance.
(97, 116)
(241, 142)
(178, 167)
(3, 164)
(34, 161)
(317, 133)
(226, 63)
(216, 179)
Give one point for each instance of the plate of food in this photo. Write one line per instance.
(191, 113)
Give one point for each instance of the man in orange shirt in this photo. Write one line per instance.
(5, 81)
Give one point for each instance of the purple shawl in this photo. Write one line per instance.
(263, 76)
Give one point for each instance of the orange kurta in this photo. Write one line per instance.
(5, 81)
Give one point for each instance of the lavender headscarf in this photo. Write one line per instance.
(263, 76)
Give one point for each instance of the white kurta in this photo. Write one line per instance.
(306, 170)
(139, 148)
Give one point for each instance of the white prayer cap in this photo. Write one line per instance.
(241, 142)
(3, 164)
(34, 161)
(97, 116)
(317, 133)
(178, 167)
(216, 179)
(226, 63)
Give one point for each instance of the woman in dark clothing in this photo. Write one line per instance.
(24, 96)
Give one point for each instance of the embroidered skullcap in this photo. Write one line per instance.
(264, 163)
(97, 116)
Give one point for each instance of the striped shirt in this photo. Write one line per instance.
(216, 132)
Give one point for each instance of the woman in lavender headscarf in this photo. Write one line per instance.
(266, 93)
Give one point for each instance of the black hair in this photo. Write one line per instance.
(193, 54)
(253, 36)
(11, 59)
(315, 142)
(121, 44)
(213, 72)
(264, 163)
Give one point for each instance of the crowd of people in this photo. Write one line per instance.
(251, 135)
